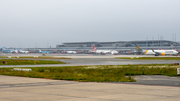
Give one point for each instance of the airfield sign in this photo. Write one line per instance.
(178, 71)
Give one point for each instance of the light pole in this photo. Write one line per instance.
(146, 41)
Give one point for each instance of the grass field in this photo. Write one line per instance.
(150, 58)
(27, 62)
(119, 73)
(35, 57)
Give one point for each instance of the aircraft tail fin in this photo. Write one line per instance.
(3, 48)
(152, 50)
(40, 51)
(94, 48)
(64, 49)
(138, 49)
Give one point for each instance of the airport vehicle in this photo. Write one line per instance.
(44, 51)
(8, 51)
(104, 51)
(156, 52)
(69, 52)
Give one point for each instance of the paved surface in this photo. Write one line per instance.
(98, 61)
(157, 80)
(149, 88)
(33, 89)
(79, 55)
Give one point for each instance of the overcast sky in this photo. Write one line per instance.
(44, 23)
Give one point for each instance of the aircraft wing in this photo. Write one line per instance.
(157, 53)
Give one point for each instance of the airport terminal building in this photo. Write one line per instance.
(122, 44)
(123, 47)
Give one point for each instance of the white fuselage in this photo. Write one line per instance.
(15, 51)
(106, 51)
(24, 51)
(71, 52)
(160, 52)
(103, 51)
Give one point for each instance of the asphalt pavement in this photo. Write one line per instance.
(97, 61)
(35, 89)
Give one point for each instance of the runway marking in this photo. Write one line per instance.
(36, 84)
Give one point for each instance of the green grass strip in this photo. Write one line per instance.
(119, 73)
(35, 57)
(28, 62)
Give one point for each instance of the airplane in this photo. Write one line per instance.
(44, 51)
(8, 51)
(104, 51)
(70, 52)
(156, 52)
(21, 51)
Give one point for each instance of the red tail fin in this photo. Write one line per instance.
(94, 48)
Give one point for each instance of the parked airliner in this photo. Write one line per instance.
(21, 51)
(70, 52)
(8, 51)
(104, 51)
(156, 52)
(44, 51)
